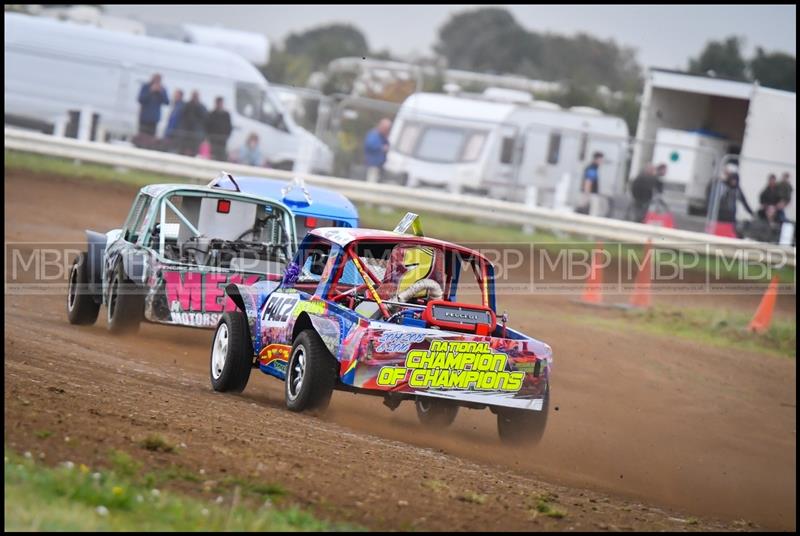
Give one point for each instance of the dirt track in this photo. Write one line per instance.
(641, 419)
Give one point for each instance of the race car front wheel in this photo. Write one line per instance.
(82, 308)
(522, 426)
(435, 413)
(311, 374)
(231, 354)
(125, 306)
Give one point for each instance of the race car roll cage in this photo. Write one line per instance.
(482, 276)
(161, 201)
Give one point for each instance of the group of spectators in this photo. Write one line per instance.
(191, 129)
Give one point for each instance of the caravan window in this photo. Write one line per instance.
(408, 138)
(554, 148)
(441, 144)
(584, 143)
(473, 148)
(507, 151)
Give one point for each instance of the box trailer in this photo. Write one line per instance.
(757, 125)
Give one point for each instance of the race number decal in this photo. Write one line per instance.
(277, 309)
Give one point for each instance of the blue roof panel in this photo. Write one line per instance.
(325, 203)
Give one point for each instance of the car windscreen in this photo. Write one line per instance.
(398, 266)
(223, 231)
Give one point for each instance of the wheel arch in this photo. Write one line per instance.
(320, 325)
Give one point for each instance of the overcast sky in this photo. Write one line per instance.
(665, 36)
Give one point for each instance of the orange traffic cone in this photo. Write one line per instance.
(593, 293)
(763, 317)
(641, 288)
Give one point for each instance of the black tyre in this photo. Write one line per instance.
(435, 413)
(311, 374)
(82, 309)
(125, 306)
(231, 354)
(522, 426)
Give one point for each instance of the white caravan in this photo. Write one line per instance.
(52, 67)
(509, 150)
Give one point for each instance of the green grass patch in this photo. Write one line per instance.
(64, 498)
(69, 167)
(717, 327)
(157, 443)
(472, 497)
(544, 506)
(43, 434)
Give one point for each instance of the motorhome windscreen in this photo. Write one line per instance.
(222, 232)
(441, 143)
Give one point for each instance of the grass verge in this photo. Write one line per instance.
(716, 327)
(75, 498)
(459, 230)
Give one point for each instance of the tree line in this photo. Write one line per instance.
(491, 40)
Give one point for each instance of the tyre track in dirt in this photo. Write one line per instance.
(641, 418)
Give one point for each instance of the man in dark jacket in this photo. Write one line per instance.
(770, 196)
(152, 96)
(218, 129)
(642, 188)
(172, 134)
(192, 125)
(731, 193)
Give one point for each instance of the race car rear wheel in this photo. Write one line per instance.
(311, 373)
(82, 309)
(231, 354)
(522, 426)
(435, 413)
(125, 306)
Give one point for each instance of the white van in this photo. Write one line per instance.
(476, 145)
(52, 67)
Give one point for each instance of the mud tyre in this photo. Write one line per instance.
(125, 305)
(231, 359)
(311, 374)
(82, 307)
(433, 413)
(522, 426)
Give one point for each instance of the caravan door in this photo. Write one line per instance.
(502, 173)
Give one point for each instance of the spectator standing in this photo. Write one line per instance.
(152, 96)
(192, 125)
(376, 146)
(642, 188)
(250, 154)
(218, 129)
(785, 188)
(770, 195)
(172, 134)
(731, 193)
(590, 184)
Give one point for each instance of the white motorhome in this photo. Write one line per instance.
(469, 143)
(758, 125)
(52, 67)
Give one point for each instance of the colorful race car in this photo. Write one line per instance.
(393, 314)
(182, 243)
